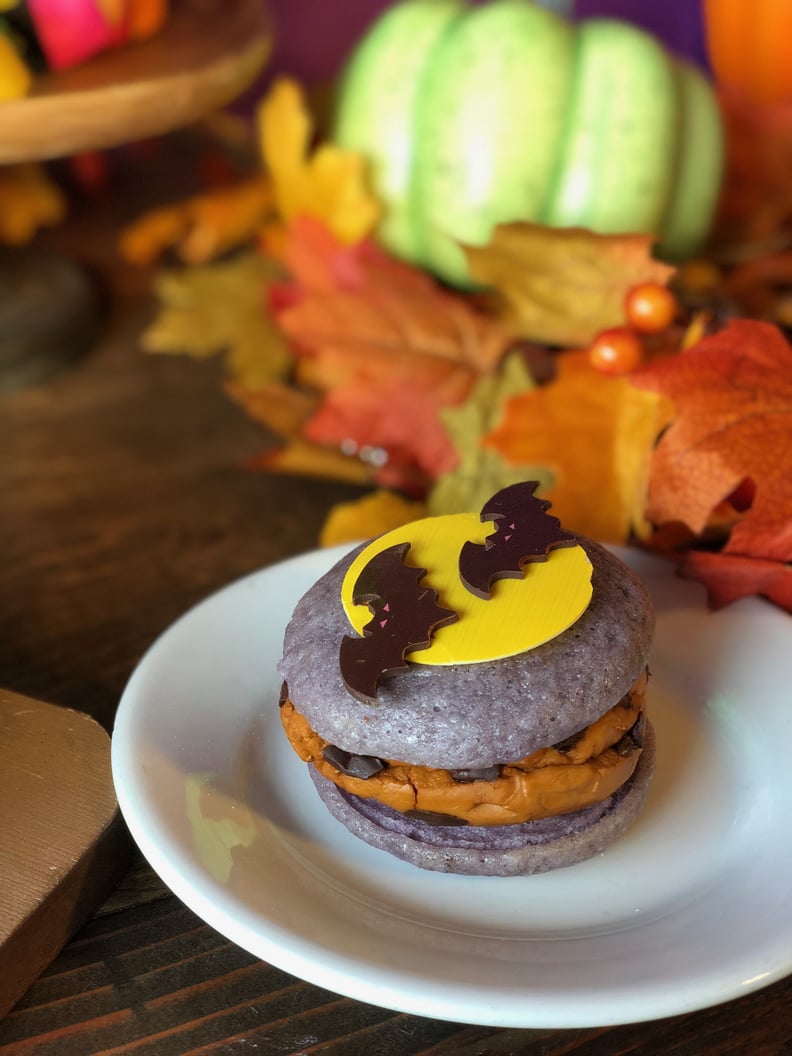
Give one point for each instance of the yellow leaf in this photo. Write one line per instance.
(328, 183)
(562, 286)
(305, 458)
(595, 434)
(372, 515)
(28, 200)
(15, 77)
(220, 308)
(482, 470)
(201, 228)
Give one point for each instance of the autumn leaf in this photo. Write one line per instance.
(379, 308)
(201, 228)
(303, 458)
(732, 394)
(595, 435)
(220, 308)
(481, 471)
(387, 347)
(562, 285)
(729, 577)
(280, 407)
(367, 517)
(326, 183)
(29, 200)
(394, 427)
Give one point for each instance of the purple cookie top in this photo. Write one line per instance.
(473, 715)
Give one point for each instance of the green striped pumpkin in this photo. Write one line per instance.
(479, 115)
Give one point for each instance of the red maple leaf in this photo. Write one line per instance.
(385, 345)
(729, 577)
(369, 420)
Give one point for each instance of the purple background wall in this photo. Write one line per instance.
(313, 36)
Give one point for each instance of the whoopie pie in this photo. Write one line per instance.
(469, 691)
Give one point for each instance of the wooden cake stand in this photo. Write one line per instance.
(207, 54)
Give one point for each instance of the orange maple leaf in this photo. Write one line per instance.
(595, 437)
(562, 286)
(386, 345)
(732, 394)
(202, 228)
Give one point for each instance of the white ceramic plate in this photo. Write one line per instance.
(692, 907)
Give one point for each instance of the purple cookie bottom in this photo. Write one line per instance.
(498, 850)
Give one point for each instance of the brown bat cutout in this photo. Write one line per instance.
(405, 615)
(524, 532)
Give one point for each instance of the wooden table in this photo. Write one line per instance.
(125, 500)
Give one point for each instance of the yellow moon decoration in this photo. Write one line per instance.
(520, 615)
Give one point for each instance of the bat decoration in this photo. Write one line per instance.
(524, 532)
(405, 614)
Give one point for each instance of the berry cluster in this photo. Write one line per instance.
(649, 309)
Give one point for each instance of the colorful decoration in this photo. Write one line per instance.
(522, 614)
(506, 112)
(71, 31)
(372, 373)
(524, 532)
(405, 616)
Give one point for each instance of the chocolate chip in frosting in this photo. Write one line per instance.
(284, 694)
(569, 742)
(486, 773)
(363, 766)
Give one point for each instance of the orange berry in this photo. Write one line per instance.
(650, 307)
(616, 351)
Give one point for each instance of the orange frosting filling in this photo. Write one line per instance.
(550, 781)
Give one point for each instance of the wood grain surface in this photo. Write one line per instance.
(126, 499)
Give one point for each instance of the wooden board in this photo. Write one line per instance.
(208, 52)
(63, 845)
